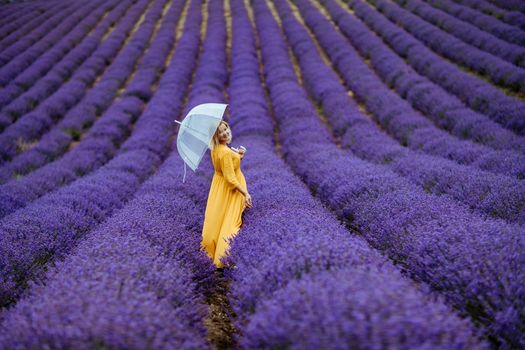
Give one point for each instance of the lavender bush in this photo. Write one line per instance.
(396, 115)
(388, 191)
(51, 72)
(514, 54)
(436, 241)
(497, 70)
(75, 209)
(157, 228)
(84, 114)
(515, 5)
(31, 125)
(28, 47)
(495, 195)
(313, 250)
(508, 16)
(485, 22)
(443, 108)
(474, 92)
(18, 22)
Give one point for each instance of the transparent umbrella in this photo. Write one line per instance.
(196, 131)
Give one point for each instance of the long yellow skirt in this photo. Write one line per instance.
(223, 216)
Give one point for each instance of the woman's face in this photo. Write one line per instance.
(225, 135)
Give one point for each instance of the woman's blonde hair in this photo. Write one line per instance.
(215, 139)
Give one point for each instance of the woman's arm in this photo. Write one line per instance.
(229, 173)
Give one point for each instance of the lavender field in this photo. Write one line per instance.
(386, 161)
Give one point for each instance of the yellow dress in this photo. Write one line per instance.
(225, 205)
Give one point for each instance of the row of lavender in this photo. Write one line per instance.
(9, 13)
(49, 226)
(55, 141)
(434, 102)
(16, 21)
(25, 166)
(140, 274)
(397, 116)
(30, 154)
(97, 147)
(53, 68)
(494, 68)
(44, 35)
(485, 22)
(353, 268)
(436, 241)
(477, 94)
(392, 112)
(495, 195)
(32, 125)
(104, 316)
(309, 283)
(469, 33)
(486, 39)
(108, 132)
(14, 10)
(510, 16)
(502, 137)
(515, 5)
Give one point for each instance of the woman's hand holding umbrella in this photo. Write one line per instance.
(241, 150)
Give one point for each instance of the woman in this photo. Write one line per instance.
(228, 196)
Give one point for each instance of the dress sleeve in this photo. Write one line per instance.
(227, 169)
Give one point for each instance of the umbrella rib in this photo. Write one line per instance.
(188, 127)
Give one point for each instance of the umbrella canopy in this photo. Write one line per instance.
(196, 132)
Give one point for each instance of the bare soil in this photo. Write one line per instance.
(219, 323)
